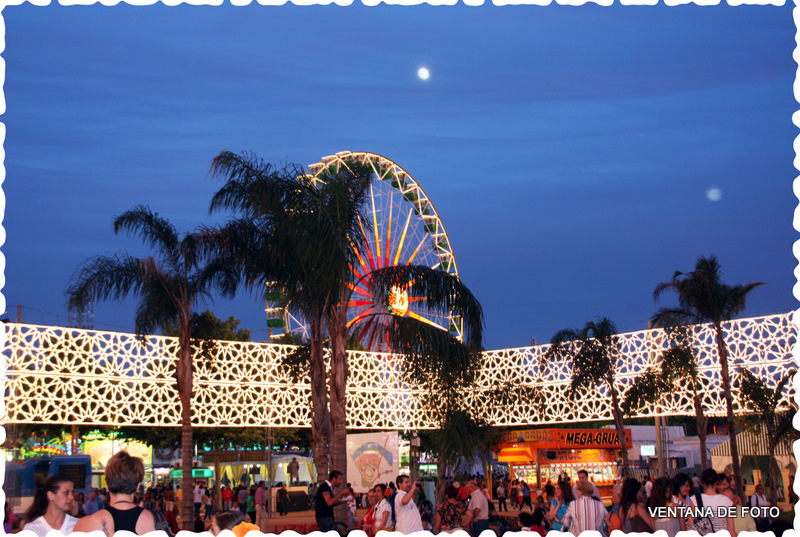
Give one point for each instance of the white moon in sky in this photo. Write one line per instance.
(423, 73)
(714, 194)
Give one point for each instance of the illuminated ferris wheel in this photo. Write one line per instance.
(401, 227)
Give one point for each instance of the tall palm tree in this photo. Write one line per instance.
(767, 405)
(432, 357)
(594, 350)
(168, 285)
(298, 232)
(305, 233)
(704, 298)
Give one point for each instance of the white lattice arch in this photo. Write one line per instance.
(65, 375)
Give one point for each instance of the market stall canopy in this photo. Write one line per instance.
(515, 454)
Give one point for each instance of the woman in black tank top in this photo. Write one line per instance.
(125, 519)
(123, 475)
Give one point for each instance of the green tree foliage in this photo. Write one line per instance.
(206, 325)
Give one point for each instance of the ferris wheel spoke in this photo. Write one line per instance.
(375, 226)
(402, 239)
(360, 291)
(366, 247)
(388, 236)
(421, 243)
(360, 316)
(423, 319)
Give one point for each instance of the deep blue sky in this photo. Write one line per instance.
(568, 150)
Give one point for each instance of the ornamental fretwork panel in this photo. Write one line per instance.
(66, 375)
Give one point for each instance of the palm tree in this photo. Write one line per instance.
(594, 350)
(168, 285)
(305, 233)
(674, 367)
(704, 298)
(431, 356)
(775, 417)
(296, 231)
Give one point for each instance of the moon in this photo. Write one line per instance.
(423, 73)
(714, 194)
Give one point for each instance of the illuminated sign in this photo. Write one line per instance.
(398, 301)
(598, 438)
(197, 472)
(564, 438)
(647, 451)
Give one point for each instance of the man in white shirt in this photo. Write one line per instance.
(197, 498)
(478, 512)
(405, 510)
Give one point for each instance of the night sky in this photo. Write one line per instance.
(577, 156)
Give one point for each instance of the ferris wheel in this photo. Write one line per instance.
(401, 227)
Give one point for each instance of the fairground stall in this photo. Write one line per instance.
(541, 455)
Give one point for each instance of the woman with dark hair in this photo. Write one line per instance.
(382, 510)
(661, 496)
(559, 505)
(50, 506)
(634, 516)
(123, 475)
(710, 498)
(681, 489)
(450, 513)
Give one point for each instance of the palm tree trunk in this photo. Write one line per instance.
(487, 470)
(320, 417)
(218, 472)
(616, 412)
(726, 390)
(772, 478)
(702, 429)
(185, 379)
(441, 471)
(337, 329)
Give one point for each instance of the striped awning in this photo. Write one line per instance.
(751, 444)
(515, 454)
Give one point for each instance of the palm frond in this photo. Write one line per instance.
(104, 278)
(431, 356)
(153, 230)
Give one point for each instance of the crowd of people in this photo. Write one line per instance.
(641, 507)
(402, 506)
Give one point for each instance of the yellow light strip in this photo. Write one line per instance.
(375, 224)
(402, 239)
